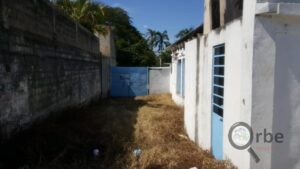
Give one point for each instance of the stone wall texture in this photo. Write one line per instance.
(47, 63)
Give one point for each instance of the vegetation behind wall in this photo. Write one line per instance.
(131, 47)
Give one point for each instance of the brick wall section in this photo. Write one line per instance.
(47, 63)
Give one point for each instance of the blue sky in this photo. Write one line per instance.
(170, 15)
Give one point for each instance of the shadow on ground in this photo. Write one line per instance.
(67, 141)
(116, 127)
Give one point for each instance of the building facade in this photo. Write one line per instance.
(243, 68)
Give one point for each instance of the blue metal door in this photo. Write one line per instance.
(218, 101)
(129, 81)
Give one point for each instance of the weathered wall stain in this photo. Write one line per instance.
(47, 63)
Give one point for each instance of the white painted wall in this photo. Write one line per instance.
(262, 84)
(190, 87)
(159, 80)
(177, 98)
(205, 88)
(234, 102)
(276, 89)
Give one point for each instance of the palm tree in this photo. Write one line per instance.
(151, 37)
(162, 41)
(158, 40)
(182, 33)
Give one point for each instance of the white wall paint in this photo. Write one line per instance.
(159, 80)
(276, 89)
(173, 77)
(233, 100)
(190, 87)
(234, 97)
(205, 89)
(262, 85)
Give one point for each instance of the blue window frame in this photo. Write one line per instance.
(180, 77)
(218, 79)
(218, 101)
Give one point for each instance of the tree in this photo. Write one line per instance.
(182, 33)
(158, 40)
(151, 36)
(87, 13)
(166, 57)
(131, 46)
(162, 41)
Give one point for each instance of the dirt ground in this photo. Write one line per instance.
(116, 127)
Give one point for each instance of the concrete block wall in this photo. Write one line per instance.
(108, 59)
(106, 63)
(47, 63)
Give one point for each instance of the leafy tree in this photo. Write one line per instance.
(166, 57)
(151, 36)
(131, 47)
(182, 33)
(86, 12)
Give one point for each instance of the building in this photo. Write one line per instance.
(244, 67)
(180, 50)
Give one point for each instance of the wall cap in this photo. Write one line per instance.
(288, 9)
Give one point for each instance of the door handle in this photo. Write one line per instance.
(221, 120)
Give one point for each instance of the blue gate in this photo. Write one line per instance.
(129, 81)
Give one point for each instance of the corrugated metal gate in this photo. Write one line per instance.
(129, 81)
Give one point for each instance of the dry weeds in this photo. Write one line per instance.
(116, 127)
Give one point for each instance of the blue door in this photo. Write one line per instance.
(218, 101)
(129, 81)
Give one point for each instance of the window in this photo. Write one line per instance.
(180, 77)
(215, 11)
(234, 9)
(218, 80)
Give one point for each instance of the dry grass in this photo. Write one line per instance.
(115, 126)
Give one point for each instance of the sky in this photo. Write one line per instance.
(170, 15)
